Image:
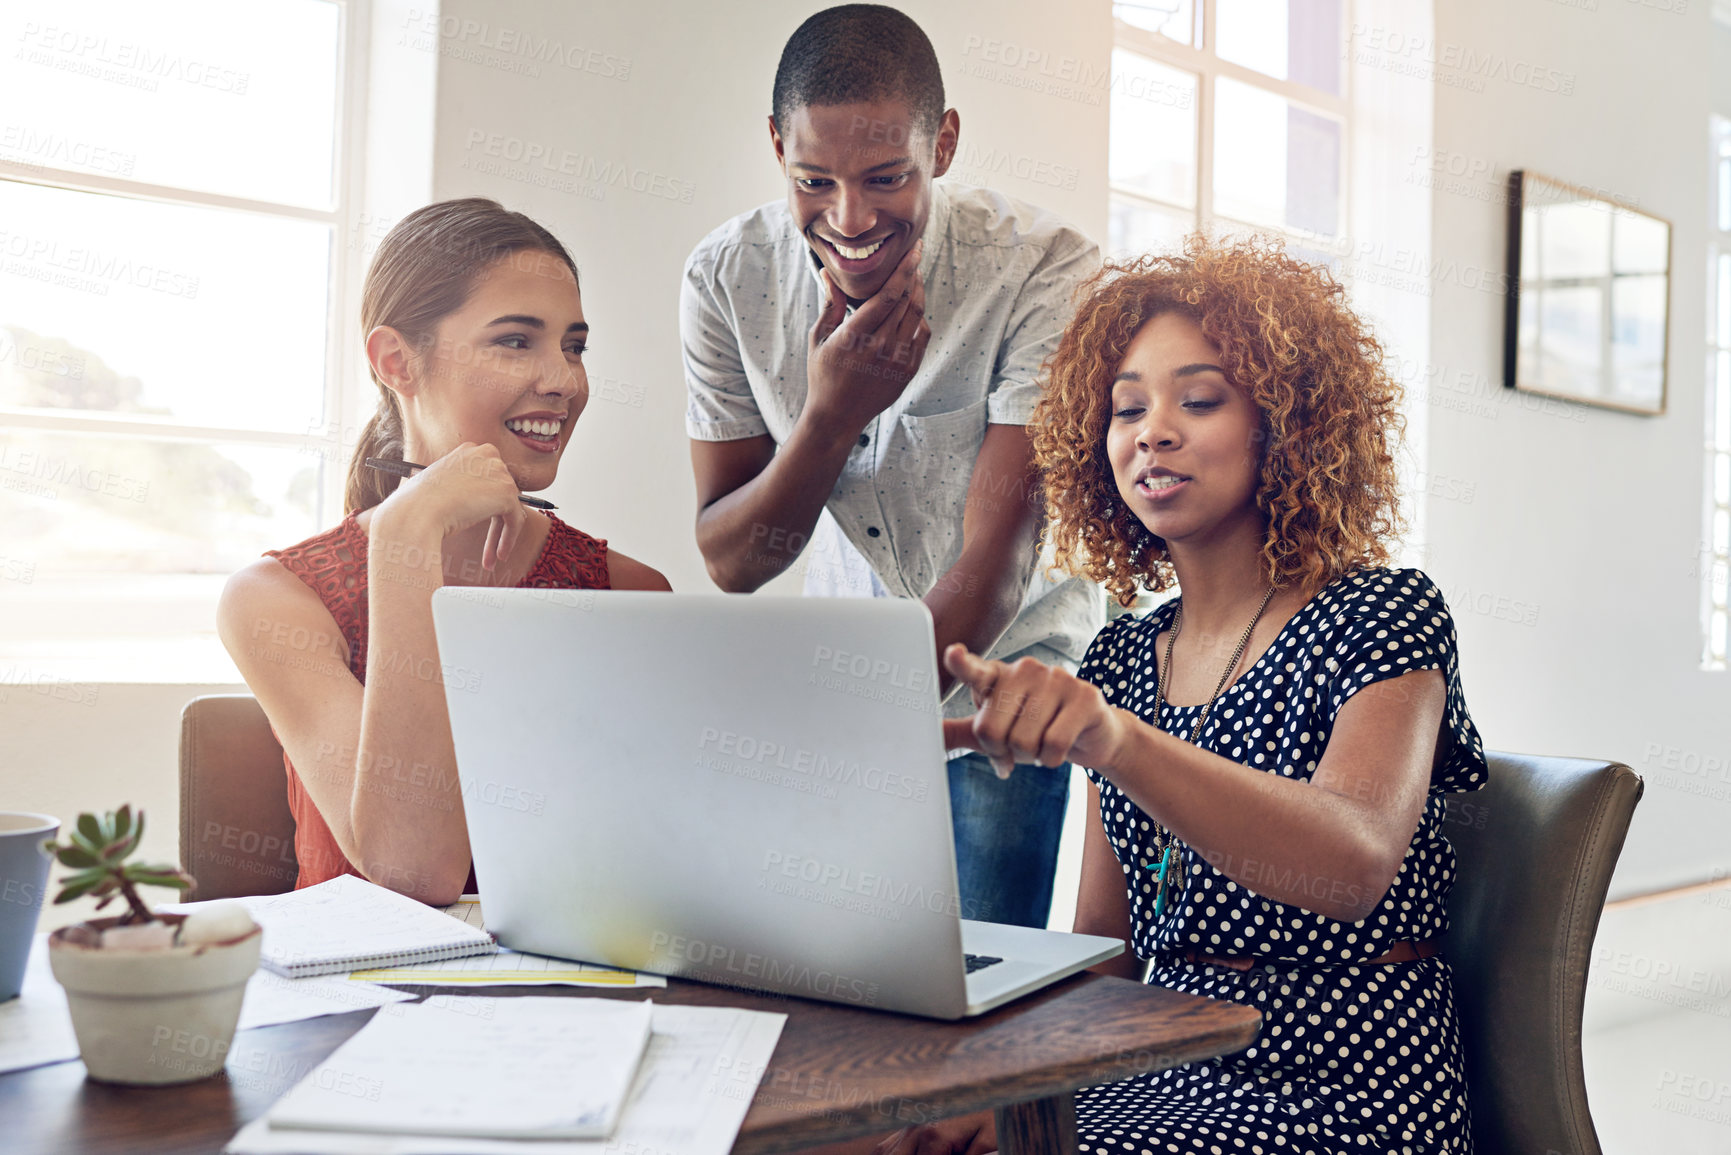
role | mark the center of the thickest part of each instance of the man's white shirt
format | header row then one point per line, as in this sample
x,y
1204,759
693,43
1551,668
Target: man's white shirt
x,y
1000,276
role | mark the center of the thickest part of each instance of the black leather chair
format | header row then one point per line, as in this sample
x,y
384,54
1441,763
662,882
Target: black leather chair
x,y
237,834
1536,850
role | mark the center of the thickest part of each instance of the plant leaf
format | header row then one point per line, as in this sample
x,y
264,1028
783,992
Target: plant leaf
x,y
89,846
90,828
153,868
145,877
126,846
92,874
146,871
77,885
117,848
76,856
123,820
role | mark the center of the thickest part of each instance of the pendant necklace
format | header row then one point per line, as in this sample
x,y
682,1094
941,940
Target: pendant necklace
x,y
1166,854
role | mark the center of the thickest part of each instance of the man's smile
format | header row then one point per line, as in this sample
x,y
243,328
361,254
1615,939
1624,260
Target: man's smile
x,y
857,258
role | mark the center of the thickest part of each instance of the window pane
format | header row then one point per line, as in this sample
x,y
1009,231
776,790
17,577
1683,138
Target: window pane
x,y
1134,229
203,316
1639,244
1562,346
203,94
1725,194
1530,228
1722,302
1298,40
1252,33
1153,135
1275,163
1721,159
107,627
1722,403
77,504
1638,339
1574,240
1174,19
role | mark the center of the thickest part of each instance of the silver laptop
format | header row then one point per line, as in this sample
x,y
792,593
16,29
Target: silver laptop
x,y
739,790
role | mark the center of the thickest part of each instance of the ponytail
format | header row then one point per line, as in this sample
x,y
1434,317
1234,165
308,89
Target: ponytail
x,y
381,437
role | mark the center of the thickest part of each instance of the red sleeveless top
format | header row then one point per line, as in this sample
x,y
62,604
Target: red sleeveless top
x,y
334,566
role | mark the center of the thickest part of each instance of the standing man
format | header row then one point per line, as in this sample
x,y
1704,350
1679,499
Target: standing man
x,y
862,362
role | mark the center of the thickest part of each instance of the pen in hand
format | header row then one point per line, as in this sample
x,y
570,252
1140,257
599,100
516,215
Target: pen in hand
x,y
407,469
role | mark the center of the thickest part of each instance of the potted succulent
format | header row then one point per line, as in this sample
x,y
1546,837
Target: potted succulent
x,y
154,996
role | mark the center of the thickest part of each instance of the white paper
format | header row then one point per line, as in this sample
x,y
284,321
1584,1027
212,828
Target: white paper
x,y
696,1081
36,1028
347,922
507,968
529,1068
272,999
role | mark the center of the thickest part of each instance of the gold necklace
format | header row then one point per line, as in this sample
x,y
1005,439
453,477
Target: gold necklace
x,y
1166,850
1172,638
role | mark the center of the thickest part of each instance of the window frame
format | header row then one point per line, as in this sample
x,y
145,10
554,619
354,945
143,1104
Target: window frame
x,y
340,383
1208,69
343,385
1713,558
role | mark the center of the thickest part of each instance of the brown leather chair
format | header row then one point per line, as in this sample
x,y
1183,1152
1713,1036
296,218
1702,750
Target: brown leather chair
x,y
1536,848
237,835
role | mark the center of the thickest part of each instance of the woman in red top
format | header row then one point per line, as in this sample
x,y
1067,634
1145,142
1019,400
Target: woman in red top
x,y
475,337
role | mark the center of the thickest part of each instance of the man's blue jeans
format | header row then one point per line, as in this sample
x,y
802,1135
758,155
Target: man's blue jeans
x,y
1007,838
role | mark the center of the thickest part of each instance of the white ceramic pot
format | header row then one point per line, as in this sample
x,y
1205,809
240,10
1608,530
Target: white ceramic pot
x,y
153,1016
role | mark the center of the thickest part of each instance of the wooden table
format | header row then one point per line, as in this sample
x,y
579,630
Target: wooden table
x,y
837,1073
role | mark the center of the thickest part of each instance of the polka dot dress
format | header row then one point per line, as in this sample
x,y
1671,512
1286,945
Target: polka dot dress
x,y
1351,1058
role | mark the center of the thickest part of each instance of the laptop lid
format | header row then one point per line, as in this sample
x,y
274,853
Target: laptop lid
x,y
735,789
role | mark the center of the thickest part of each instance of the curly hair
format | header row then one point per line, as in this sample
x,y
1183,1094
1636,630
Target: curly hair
x,y
1331,422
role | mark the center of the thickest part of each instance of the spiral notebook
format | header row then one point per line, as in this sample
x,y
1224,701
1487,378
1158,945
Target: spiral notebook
x,y
350,924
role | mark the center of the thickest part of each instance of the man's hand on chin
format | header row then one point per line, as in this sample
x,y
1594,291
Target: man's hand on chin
x,y
857,365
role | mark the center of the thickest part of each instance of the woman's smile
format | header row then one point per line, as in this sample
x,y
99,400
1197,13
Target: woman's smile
x,y
539,431
1159,484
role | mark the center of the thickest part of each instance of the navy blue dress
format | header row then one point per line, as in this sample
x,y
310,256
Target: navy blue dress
x,y
1351,1058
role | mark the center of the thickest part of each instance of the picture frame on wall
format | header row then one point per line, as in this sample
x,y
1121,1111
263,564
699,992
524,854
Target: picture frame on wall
x,y
1588,296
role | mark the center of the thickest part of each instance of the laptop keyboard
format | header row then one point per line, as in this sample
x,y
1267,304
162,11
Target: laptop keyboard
x,y
979,961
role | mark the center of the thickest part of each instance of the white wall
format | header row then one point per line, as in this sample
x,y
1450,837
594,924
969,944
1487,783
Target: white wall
x,y
1588,518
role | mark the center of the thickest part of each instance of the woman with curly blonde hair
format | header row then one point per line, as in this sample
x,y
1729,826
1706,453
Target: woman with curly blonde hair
x,y
1269,750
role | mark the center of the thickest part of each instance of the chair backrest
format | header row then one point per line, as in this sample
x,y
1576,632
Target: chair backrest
x,y
1536,849
237,835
